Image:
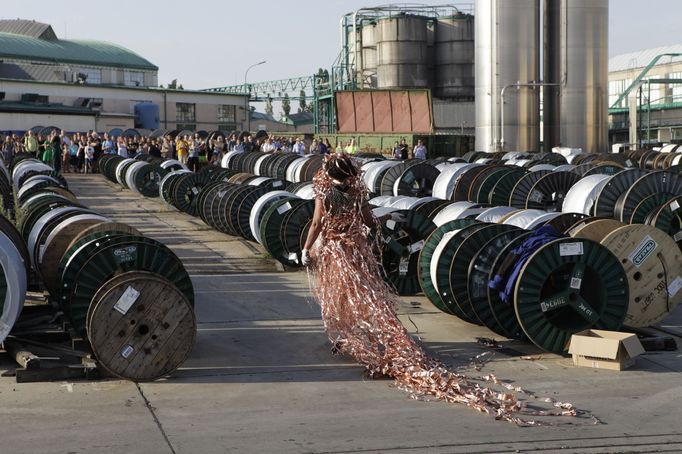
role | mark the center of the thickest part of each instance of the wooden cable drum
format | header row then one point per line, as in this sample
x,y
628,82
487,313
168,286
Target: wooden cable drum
x,y
659,182
140,326
58,241
595,230
653,264
13,284
566,286
101,227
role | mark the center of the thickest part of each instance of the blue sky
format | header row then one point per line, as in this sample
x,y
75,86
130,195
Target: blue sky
x,y
207,43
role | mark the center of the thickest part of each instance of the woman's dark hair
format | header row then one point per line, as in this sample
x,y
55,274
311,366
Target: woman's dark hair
x,y
341,167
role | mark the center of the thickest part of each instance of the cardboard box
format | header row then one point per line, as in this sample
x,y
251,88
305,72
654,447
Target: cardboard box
x,y
599,349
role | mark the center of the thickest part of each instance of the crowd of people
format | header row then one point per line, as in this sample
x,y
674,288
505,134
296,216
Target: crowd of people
x,y
79,152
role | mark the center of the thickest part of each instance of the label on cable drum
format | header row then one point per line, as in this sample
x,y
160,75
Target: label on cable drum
x,y
403,267
628,163
576,282
675,205
642,252
678,236
126,301
418,246
675,287
127,351
568,249
535,196
284,208
390,224
277,184
195,191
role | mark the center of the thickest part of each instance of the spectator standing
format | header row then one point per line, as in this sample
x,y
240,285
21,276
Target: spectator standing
x,y
404,150
182,147
122,147
154,149
56,145
195,148
396,151
31,144
90,155
166,152
299,147
268,146
351,148
325,146
419,151
315,147
8,150
108,145
73,154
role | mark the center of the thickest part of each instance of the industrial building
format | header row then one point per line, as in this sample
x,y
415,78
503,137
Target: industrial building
x,y
90,85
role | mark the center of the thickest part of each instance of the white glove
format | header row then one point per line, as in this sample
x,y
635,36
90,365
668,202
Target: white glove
x,y
397,217
305,257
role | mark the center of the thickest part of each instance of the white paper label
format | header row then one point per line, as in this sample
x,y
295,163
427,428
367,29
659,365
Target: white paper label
x,y
418,246
566,249
195,191
675,205
126,300
293,257
576,282
678,236
277,184
643,251
403,267
221,194
675,286
535,196
628,163
284,208
390,224
127,351
42,252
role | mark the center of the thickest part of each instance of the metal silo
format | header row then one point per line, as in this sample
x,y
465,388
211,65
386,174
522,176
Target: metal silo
x,y
454,57
368,71
507,56
583,72
401,52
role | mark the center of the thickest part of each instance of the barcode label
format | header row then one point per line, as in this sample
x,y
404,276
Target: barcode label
x,y
126,301
576,282
284,208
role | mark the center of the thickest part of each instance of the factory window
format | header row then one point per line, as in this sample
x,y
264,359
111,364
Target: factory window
x,y
133,78
652,93
227,113
227,127
89,75
676,89
185,112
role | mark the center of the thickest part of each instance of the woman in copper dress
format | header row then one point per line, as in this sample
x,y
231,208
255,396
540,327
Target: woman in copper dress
x,y
359,307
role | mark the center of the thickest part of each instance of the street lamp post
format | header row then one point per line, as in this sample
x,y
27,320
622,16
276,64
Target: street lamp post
x,y
248,92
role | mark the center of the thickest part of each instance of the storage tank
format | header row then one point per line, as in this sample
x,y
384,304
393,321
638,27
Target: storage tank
x,y
579,62
401,52
506,53
454,57
368,70
146,116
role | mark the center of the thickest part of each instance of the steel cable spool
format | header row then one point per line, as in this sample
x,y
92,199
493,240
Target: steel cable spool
x,y
166,183
653,265
647,206
259,208
140,326
554,159
186,190
668,218
221,207
99,260
147,179
283,166
567,286
564,168
426,255
432,208
603,169
131,171
4,173
205,199
391,175
478,276
402,243
272,184
102,161
444,186
521,190
488,182
417,180
582,169
549,192
581,197
659,182
295,230
240,210
524,219
502,190
226,161
260,165
440,268
213,203
222,175
121,170
461,261
616,186
227,210
472,156
44,224
537,167
13,284
480,179
464,182
271,228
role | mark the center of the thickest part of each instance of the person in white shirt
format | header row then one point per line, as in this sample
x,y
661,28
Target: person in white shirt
x,y
299,147
268,146
419,151
122,148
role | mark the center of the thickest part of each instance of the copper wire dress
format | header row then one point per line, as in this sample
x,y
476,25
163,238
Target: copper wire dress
x,y
358,311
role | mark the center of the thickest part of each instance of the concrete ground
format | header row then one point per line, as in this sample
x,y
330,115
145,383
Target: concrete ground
x,y
262,379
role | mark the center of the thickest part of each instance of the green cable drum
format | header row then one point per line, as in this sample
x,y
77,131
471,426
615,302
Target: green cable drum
x,y
426,254
668,218
402,244
521,190
271,228
500,192
549,191
147,180
567,286
479,274
202,205
294,230
440,267
648,205
244,212
432,208
659,182
416,181
96,262
485,181
461,262
186,190
605,203
231,211
391,176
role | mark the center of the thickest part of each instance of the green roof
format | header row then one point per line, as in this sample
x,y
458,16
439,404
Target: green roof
x,y
79,52
20,107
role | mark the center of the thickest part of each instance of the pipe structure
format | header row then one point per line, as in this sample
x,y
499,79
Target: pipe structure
x,y
518,85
